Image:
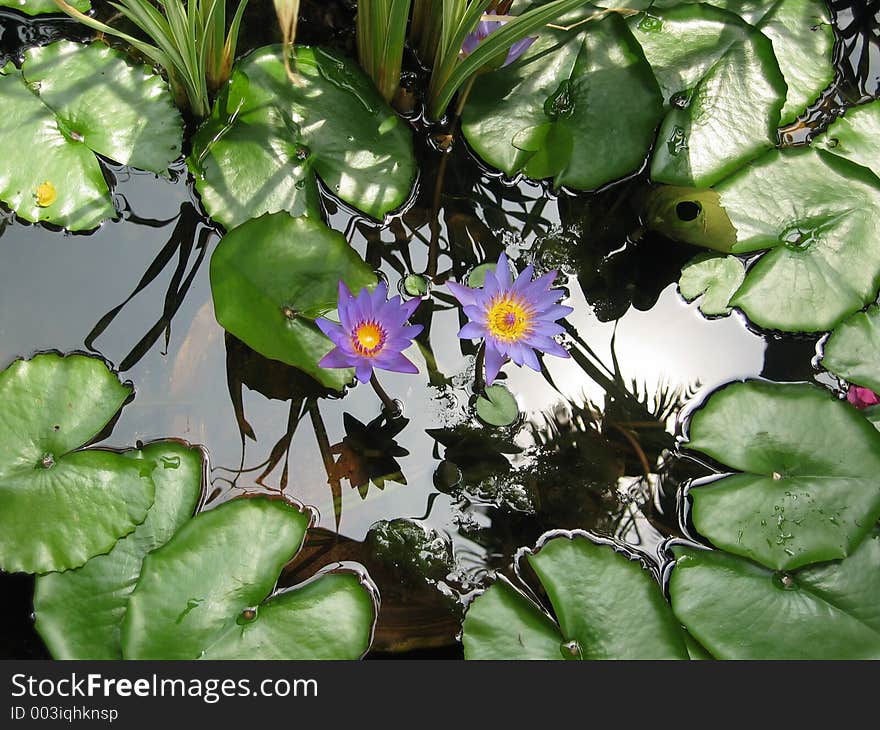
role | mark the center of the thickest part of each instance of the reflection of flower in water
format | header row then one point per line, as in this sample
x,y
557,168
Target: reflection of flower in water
x,y
368,453
862,397
516,319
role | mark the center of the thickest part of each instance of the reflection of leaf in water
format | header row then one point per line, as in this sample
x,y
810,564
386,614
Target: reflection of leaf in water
x,y
368,453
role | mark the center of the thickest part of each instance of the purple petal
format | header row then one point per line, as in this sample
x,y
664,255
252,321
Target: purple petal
x,y
331,329
548,329
344,301
464,294
557,311
502,272
336,358
472,331
475,313
363,305
410,332
517,49
471,41
494,361
524,279
548,346
394,361
364,370
522,354
543,282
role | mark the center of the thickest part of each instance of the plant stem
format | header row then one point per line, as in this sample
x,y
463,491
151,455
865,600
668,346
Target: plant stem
x,y
479,367
392,410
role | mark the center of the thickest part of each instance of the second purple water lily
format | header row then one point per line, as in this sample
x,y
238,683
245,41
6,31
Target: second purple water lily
x,y
516,319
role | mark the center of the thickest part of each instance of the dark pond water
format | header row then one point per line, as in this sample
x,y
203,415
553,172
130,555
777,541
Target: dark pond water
x,y
595,447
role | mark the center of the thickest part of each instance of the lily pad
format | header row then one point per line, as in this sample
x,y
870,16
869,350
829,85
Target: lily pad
x,y
497,406
580,107
270,279
853,350
61,505
209,593
715,278
804,494
268,140
854,136
608,607
690,215
41,7
729,114
66,104
820,216
79,612
739,610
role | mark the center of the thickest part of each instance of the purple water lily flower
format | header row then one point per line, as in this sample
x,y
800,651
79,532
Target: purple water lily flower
x,y
372,332
484,29
862,397
516,319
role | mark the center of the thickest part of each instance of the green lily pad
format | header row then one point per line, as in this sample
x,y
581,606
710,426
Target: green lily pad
x,y
608,607
854,136
739,610
270,279
713,277
803,40
67,103
873,415
209,593
79,612
60,506
853,350
729,114
268,140
804,494
41,7
590,84
690,215
820,216
497,406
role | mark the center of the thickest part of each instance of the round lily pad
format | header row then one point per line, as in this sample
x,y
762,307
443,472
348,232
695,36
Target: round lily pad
x,y
60,505
739,610
713,277
820,216
580,107
79,612
497,406
807,487
41,7
854,136
608,607
270,279
729,114
269,139
853,350
209,593
67,103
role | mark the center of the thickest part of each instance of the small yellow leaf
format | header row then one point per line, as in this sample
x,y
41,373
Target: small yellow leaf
x,y
46,194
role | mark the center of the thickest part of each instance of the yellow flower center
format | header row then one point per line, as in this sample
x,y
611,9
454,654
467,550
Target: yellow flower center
x,y
46,194
508,319
368,338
